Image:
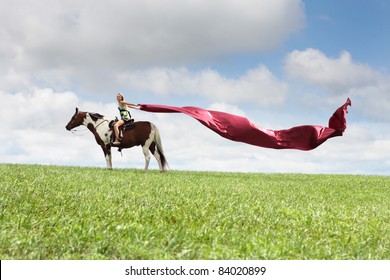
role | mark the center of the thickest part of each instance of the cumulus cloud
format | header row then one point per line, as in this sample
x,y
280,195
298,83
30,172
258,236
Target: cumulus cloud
x,y
368,88
34,126
224,107
148,29
67,43
258,86
336,75
36,109
49,50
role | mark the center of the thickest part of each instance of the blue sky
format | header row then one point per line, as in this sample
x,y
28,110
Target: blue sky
x,y
279,63
356,26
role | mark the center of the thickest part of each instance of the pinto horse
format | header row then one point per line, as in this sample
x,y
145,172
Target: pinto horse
x,y
143,133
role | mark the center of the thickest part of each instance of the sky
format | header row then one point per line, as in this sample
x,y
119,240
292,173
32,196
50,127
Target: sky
x,y
279,63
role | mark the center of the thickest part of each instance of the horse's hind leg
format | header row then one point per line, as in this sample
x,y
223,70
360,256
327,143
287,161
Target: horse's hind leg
x,y
145,150
158,158
146,146
153,149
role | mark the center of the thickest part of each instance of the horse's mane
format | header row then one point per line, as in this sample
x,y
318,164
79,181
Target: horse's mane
x,y
96,116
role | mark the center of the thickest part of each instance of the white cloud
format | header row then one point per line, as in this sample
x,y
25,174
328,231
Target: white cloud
x,y
224,107
41,108
51,49
86,43
34,126
336,75
368,88
258,86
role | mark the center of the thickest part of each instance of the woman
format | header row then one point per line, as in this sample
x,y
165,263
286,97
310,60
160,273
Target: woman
x,y
125,116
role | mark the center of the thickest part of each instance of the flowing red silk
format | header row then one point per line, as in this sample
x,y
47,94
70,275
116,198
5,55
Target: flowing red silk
x,y
240,129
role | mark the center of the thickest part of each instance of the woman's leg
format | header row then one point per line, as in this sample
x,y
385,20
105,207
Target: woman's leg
x,y
116,129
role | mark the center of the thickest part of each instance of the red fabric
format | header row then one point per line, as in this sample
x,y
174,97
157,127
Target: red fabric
x,y
236,128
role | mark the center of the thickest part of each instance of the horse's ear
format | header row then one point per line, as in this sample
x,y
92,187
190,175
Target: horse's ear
x,y
77,110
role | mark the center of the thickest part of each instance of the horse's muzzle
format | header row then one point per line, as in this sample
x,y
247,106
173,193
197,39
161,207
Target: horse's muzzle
x,y
67,127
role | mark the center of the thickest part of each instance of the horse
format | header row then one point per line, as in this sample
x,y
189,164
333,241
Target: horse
x,y
143,133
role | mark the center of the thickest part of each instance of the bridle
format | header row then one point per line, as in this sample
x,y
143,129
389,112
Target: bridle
x,y
96,126
73,130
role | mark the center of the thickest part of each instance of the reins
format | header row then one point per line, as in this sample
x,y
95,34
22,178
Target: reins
x,y
74,130
82,130
101,123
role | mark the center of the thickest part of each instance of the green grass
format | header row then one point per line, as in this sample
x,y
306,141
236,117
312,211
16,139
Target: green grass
x,y
50,212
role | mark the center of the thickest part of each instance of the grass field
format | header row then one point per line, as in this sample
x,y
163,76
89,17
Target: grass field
x,y
50,212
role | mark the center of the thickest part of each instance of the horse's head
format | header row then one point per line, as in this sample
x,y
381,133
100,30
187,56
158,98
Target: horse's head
x,y
76,120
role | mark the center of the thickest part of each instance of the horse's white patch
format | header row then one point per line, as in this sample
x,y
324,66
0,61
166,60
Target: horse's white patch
x,y
145,147
109,161
102,128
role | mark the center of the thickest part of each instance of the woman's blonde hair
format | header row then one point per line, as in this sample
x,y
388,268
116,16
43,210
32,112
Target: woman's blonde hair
x,y
121,95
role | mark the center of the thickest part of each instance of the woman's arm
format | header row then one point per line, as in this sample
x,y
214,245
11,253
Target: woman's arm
x,y
129,104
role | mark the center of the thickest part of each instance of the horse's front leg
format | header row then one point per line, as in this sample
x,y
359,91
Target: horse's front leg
x,y
107,155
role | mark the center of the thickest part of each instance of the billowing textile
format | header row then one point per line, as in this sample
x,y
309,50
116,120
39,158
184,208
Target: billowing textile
x,y
240,129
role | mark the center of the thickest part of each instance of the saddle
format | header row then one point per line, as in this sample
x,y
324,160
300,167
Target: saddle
x,y
126,126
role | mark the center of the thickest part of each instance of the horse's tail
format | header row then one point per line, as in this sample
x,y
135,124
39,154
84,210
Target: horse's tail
x,y
158,143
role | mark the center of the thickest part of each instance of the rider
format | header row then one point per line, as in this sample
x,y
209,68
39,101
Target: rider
x,y
125,115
